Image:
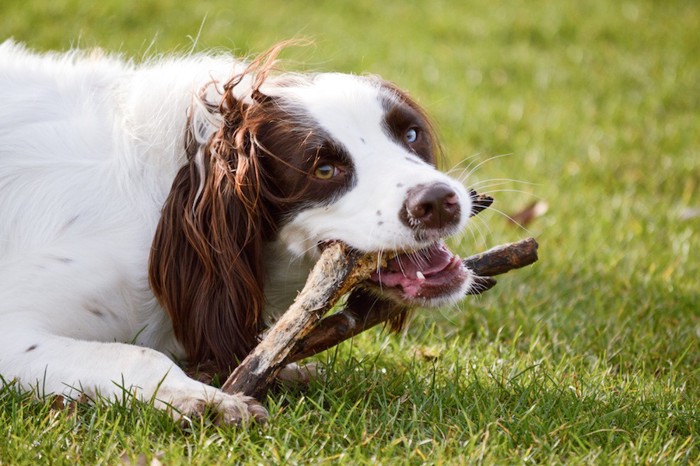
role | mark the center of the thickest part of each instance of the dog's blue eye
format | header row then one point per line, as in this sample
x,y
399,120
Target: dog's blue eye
x,y
411,135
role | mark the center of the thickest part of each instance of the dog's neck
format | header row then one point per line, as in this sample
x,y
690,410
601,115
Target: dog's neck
x,y
156,115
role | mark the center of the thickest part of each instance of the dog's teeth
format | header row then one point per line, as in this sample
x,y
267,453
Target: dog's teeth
x,y
420,276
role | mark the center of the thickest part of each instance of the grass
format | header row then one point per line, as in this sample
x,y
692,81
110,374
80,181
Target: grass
x,y
591,356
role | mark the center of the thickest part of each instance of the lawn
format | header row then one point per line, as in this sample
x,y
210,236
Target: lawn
x,y
590,356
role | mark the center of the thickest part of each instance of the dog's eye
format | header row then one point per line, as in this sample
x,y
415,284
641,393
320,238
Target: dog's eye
x,y
411,135
325,171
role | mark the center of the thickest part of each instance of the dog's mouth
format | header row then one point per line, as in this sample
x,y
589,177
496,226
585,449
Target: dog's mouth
x,y
427,276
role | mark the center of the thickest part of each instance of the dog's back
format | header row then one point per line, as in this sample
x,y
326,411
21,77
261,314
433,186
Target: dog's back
x,y
72,198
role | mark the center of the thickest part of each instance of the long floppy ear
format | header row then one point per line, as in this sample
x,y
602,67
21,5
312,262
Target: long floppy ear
x,y
206,264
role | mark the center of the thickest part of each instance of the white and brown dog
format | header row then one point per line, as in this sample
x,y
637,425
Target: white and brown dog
x,y
171,209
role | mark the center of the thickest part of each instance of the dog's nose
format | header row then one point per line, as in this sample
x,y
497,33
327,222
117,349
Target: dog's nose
x,y
432,206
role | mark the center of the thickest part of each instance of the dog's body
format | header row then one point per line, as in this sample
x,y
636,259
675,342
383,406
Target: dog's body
x,y
168,210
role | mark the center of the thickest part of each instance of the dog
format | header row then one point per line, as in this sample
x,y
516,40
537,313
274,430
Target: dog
x,y
168,211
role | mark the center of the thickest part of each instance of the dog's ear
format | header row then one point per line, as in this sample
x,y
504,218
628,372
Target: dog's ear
x,y
206,263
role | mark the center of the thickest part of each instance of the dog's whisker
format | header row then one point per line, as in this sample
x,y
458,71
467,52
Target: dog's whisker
x,y
498,182
473,169
505,215
518,191
473,160
458,166
478,225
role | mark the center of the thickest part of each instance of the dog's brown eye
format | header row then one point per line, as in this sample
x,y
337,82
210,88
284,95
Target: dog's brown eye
x,y
325,171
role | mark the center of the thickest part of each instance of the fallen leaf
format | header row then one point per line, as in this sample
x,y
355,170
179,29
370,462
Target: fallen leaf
x,y
59,403
141,460
427,353
689,213
533,211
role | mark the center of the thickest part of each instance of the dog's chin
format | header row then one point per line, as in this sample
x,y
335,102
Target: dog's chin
x,y
429,277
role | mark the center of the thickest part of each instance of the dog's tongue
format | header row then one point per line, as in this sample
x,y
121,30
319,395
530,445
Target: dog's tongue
x,y
432,267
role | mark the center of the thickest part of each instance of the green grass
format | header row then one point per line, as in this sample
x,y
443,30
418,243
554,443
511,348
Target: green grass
x,y
590,356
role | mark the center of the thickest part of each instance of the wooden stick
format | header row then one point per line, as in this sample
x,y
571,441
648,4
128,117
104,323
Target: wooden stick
x,y
503,258
336,272
363,312
301,333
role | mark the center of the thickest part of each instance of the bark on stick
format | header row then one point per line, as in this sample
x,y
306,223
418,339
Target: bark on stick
x,y
363,312
336,272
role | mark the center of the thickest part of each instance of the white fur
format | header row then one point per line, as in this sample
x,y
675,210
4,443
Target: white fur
x,y
89,146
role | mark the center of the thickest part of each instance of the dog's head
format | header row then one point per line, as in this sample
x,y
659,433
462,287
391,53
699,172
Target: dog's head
x,y
301,160
359,158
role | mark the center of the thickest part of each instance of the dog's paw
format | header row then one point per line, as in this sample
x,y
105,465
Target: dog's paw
x,y
236,409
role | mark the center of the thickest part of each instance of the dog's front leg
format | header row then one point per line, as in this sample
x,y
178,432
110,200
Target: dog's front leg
x,y
50,364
